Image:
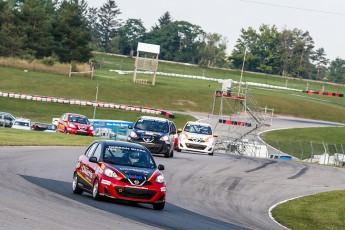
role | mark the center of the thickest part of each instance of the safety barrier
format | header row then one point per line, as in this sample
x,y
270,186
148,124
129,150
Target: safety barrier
x,y
87,103
329,94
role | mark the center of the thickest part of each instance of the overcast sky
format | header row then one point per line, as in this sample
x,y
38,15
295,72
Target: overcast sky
x,y
323,19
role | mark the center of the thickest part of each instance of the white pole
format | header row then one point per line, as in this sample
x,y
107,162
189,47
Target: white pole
x,y
94,110
244,59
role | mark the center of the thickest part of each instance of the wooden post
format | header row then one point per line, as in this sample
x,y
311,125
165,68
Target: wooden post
x,y
70,71
136,67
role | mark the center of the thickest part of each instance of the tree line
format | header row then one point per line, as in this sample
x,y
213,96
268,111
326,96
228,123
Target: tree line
x,y
69,30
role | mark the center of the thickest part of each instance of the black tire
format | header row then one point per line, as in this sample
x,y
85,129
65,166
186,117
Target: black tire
x,y
95,191
75,187
172,153
167,154
211,154
158,206
65,131
178,150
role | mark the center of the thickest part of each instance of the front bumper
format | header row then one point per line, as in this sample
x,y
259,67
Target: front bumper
x,y
196,147
152,193
154,147
79,132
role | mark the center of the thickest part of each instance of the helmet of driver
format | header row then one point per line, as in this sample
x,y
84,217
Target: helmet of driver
x,y
134,157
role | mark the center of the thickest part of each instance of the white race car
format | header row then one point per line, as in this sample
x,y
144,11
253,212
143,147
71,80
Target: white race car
x,y
198,137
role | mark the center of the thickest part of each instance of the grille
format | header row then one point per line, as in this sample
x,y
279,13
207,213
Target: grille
x,y
135,193
194,146
124,180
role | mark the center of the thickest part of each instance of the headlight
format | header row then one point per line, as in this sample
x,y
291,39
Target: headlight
x,y
133,134
160,179
110,173
71,125
164,138
183,136
211,140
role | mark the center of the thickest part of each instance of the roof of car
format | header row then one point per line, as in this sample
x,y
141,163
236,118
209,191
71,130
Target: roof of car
x,y
121,143
153,118
197,123
76,114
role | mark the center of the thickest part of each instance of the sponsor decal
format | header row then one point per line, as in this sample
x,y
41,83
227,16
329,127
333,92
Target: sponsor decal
x,y
87,172
106,182
113,147
135,177
127,169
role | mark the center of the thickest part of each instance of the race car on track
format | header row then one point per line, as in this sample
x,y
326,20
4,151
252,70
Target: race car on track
x,y
155,133
71,123
120,170
198,137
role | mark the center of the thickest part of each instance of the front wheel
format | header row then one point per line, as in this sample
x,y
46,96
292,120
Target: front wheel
x,y
167,154
95,191
75,187
158,206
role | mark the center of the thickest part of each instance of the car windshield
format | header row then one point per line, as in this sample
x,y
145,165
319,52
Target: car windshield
x,y
152,125
199,129
78,119
128,156
22,123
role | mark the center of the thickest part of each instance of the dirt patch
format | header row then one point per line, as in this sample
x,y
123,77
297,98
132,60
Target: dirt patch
x,y
185,103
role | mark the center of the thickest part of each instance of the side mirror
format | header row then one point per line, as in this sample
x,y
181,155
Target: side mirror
x,y
93,159
130,127
179,130
215,134
65,120
160,167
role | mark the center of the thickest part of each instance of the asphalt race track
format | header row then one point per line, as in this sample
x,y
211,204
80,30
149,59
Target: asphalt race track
x,y
204,192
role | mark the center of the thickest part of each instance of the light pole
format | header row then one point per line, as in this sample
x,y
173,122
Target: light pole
x,y
94,110
244,59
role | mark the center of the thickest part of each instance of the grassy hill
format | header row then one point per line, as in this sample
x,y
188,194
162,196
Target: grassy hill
x,y
169,93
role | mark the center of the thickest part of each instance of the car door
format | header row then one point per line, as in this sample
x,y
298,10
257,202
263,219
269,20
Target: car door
x,y
92,166
86,167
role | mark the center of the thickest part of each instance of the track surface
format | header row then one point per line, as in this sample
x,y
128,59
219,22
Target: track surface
x,y
204,192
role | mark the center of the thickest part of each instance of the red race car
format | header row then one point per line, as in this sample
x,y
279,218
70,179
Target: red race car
x,y
120,170
74,124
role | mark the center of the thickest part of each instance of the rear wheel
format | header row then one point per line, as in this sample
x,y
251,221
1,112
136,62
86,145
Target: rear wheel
x,y
75,187
65,131
211,154
178,150
95,191
172,153
158,206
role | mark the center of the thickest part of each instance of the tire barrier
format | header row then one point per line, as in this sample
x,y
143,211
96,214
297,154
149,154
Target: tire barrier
x,y
329,94
231,122
87,103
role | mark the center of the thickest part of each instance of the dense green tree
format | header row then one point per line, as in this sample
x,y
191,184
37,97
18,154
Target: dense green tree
x,y
130,34
246,44
71,33
11,36
36,24
109,23
179,41
337,71
164,20
212,52
319,57
92,17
